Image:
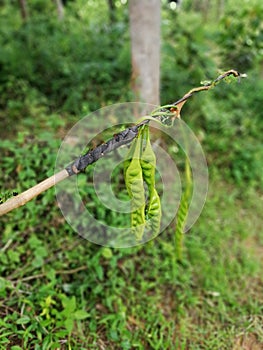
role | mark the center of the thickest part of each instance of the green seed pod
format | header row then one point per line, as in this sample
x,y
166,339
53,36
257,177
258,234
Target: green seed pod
x,y
139,167
148,165
135,188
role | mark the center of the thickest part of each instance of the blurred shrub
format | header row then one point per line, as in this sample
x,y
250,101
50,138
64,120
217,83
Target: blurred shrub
x,y
81,64
185,55
240,37
20,99
70,64
233,127
228,119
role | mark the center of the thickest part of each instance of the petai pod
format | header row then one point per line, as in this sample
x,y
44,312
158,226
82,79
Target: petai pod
x,y
181,216
135,187
148,165
129,157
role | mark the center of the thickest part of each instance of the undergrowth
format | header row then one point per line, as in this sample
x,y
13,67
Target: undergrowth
x,y
60,291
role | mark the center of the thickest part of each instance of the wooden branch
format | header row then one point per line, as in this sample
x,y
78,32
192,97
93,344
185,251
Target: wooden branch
x,y
41,275
122,138
26,196
179,104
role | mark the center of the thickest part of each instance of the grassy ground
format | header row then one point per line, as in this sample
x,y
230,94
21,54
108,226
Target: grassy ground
x,y
58,291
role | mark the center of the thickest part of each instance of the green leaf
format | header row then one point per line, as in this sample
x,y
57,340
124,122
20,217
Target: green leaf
x,y
106,253
114,335
2,284
81,315
23,320
99,271
69,305
69,323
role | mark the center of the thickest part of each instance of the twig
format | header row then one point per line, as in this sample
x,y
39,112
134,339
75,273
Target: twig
x,y
122,138
6,246
59,272
179,103
31,193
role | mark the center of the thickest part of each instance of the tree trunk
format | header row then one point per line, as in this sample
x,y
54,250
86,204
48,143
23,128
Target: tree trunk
x,y
60,9
220,8
112,11
203,7
145,24
23,9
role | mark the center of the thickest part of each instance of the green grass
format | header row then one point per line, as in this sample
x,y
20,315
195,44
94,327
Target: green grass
x,y
58,291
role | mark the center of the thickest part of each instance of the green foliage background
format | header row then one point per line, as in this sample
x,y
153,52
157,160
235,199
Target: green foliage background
x,y
58,291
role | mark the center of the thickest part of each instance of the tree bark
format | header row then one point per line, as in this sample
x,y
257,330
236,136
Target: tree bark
x,y
220,8
145,24
203,7
23,9
112,11
60,9
33,192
